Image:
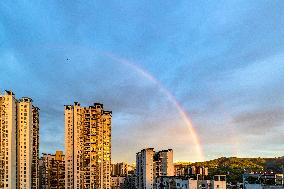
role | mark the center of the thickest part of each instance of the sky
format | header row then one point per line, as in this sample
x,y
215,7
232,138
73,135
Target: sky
x,y
221,62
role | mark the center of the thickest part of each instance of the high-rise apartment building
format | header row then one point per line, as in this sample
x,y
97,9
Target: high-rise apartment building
x,y
52,171
27,132
120,169
145,168
19,132
87,147
122,176
8,138
164,160
151,164
35,145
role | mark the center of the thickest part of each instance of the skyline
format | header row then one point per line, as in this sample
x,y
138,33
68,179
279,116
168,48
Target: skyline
x,y
222,63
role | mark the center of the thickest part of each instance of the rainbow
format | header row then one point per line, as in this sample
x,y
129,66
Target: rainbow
x,y
170,96
143,72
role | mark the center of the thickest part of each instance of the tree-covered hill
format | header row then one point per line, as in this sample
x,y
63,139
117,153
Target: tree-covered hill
x,y
234,167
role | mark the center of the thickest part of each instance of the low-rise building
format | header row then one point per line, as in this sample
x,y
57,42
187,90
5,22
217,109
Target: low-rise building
x,y
52,171
117,182
185,169
263,180
120,169
130,182
174,182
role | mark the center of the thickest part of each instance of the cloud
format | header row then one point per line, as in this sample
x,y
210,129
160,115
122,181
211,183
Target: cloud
x,y
259,122
222,61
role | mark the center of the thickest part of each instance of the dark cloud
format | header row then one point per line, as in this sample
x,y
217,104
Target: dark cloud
x,y
259,122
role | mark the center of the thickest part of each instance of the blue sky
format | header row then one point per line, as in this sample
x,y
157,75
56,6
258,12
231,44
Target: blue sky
x,y
223,62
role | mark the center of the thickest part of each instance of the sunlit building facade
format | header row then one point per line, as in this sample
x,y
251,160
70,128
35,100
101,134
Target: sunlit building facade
x,y
117,182
87,147
145,169
19,131
164,159
35,146
52,171
168,182
8,145
151,164
120,169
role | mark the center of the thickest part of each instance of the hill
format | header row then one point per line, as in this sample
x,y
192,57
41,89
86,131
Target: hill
x,y
234,167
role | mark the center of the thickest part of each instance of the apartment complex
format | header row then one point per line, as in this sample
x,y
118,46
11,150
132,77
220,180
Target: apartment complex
x,y
164,161
35,146
87,147
168,182
130,182
183,169
120,169
117,182
151,164
8,145
122,176
52,171
19,132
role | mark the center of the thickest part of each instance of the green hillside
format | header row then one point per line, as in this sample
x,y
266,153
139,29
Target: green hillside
x,y
234,167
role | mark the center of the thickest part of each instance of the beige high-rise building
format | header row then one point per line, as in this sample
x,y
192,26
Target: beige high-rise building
x,y
19,130
25,141
87,147
8,145
35,159
119,169
165,159
151,164
145,169
52,171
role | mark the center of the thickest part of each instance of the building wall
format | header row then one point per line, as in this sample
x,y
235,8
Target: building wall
x,y
8,169
25,139
167,164
151,164
117,182
88,146
35,146
192,184
120,169
77,149
147,162
19,142
181,169
168,182
69,135
144,169
218,184
130,182
52,168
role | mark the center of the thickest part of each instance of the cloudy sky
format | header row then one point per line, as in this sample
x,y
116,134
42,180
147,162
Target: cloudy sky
x,y
222,61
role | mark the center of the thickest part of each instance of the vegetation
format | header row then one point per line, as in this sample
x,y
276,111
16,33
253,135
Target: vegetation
x,y
234,167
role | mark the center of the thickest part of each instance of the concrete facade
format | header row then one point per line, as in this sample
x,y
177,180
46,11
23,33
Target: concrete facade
x,y
151,164
19,134
166,160
8,138
169,182
120,169
87,147
144,169
52,168
35,146
25,141
117,182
